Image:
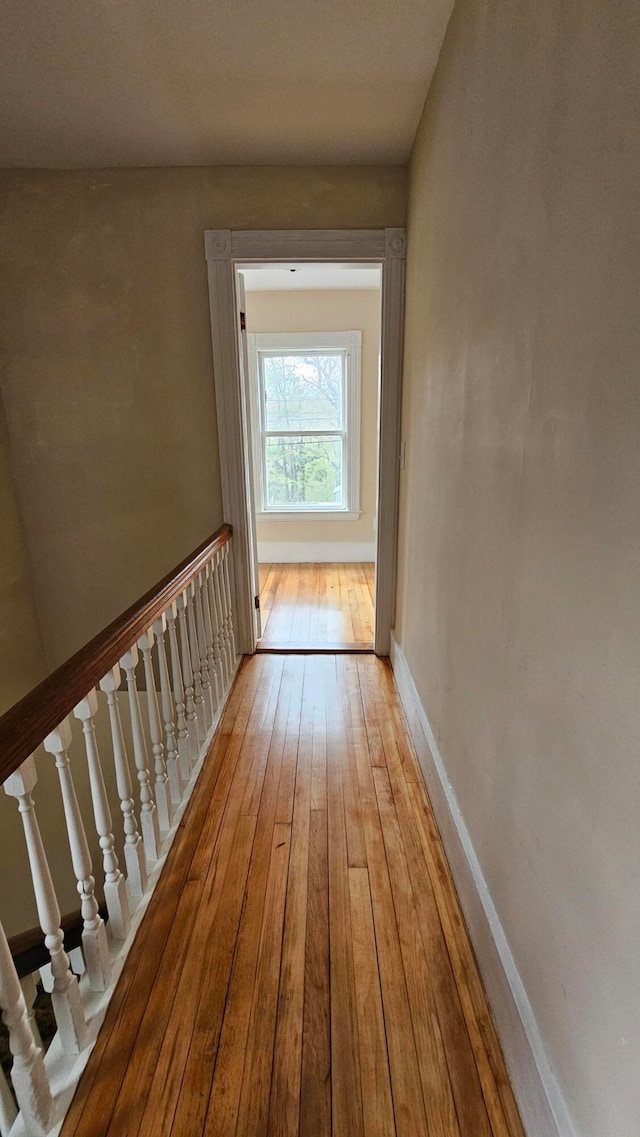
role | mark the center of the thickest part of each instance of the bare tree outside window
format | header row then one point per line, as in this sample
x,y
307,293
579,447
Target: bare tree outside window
x,y
303,414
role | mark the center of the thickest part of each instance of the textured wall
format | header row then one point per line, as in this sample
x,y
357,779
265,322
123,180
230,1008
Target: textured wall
x,y
520,535
22,663
337,311
106,362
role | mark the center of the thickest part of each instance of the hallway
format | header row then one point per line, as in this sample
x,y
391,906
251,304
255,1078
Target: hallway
x,y
302,967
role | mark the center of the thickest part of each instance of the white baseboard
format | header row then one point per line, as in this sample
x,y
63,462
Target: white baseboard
x,y
299,552
542,1106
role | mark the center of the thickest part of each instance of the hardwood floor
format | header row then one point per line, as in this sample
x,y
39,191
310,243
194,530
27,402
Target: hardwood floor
x,y
303,968
328,606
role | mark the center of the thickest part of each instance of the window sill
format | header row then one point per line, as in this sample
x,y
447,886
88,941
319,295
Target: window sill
x,y
310,515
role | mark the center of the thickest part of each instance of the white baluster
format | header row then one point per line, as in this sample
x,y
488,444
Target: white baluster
x,y
202,652
65,995
94,936
148,812
166,698
28,1073
115,886
133,843
226,565
198,700
162,789
187,674
215,629
208,635
178,695
218,589
30,992
8,1111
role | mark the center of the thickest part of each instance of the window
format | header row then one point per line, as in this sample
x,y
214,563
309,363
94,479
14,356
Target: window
x,y
306,419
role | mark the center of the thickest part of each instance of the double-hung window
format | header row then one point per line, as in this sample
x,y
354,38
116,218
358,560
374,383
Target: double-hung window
x,y
305,396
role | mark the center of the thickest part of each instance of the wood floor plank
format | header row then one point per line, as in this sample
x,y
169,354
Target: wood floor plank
x,y
190,1045
319,739
315,1089
191,1106
347,1120
253,1111
403,1061
438,1097
377,1103
303,966
222,1108
284,810
284,1108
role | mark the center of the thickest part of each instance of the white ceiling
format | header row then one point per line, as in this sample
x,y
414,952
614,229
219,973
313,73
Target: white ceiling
x,y
214,82
310,277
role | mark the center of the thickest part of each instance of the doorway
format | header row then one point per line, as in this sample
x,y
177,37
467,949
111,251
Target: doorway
x,y
322,472
310,335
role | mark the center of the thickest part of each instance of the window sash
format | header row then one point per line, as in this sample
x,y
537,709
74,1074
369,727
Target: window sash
x,y
337,432
304,506
345,344
300,352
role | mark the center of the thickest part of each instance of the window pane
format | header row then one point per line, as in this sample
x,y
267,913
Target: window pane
x,y
303,391
304,472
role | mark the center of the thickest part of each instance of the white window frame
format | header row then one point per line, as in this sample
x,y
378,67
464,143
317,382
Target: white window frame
x,y
349,344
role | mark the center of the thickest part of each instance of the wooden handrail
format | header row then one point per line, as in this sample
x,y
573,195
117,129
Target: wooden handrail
x,y
27,723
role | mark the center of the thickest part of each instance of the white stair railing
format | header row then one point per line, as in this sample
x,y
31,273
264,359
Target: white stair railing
x,y
183,631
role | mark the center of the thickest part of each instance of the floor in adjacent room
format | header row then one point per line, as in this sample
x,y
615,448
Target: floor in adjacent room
x,y
329,606
303,967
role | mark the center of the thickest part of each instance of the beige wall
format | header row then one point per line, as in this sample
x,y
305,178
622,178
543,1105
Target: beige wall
x,y
520,535
106,371
336,311
22,662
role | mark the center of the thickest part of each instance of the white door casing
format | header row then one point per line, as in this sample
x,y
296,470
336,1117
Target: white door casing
x,y
241,307
226,249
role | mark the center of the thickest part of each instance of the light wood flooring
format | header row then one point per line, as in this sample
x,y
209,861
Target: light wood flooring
x,y
328,606
303,968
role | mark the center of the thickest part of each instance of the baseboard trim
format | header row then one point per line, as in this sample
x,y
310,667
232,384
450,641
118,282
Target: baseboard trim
x,y
315,552
542,1107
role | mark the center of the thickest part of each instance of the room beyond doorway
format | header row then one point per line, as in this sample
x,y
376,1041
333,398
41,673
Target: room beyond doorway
x,y
311,339
325,607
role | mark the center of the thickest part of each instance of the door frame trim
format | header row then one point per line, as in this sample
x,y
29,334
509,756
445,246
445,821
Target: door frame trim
x,y
224,250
